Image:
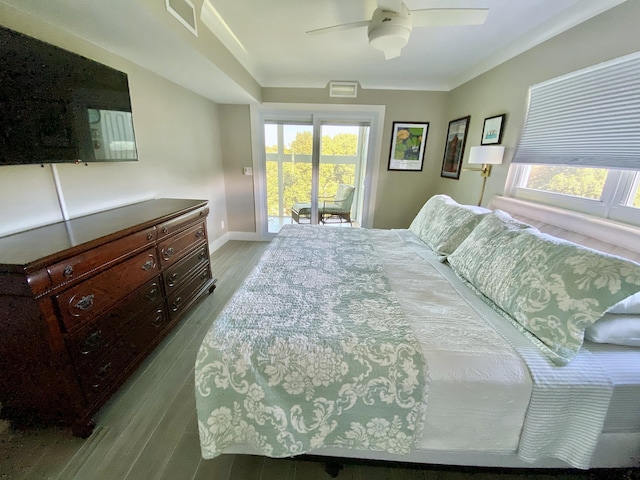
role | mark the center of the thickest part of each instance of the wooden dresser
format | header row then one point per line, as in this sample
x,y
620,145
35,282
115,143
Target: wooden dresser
x,y
83,302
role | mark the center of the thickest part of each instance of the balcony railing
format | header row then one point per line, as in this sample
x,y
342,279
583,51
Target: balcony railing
x,y
290,181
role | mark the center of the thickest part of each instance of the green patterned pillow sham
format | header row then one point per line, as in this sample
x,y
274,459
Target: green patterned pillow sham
x,y
553,288
442,223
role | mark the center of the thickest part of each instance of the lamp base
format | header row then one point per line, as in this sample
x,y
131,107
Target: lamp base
x,y
485,171
484,183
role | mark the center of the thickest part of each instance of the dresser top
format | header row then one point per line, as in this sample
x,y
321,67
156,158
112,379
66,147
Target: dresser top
x,y
43,244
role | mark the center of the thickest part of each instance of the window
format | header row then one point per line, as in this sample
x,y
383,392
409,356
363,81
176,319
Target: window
x,y
580,147
635,193
607,193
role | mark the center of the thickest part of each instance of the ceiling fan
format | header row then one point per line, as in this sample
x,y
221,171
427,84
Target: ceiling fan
x,y
392,22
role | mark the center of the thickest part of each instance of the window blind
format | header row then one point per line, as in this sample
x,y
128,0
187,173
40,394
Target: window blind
x,y
589,118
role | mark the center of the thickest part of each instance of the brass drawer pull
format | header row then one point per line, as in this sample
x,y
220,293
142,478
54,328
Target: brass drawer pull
x,y
148,265
172,279
85,303
175,306
168,252
68,272
92,341
202,255
153,293
200,233
158,321
149,236
102,372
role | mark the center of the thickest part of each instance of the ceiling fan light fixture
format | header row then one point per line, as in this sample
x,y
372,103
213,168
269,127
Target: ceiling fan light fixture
x,y
389,39
389,31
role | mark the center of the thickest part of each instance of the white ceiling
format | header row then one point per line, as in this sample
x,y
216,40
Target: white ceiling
x,y
280,54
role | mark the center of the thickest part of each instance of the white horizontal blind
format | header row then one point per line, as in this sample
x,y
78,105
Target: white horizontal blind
x,y
589,118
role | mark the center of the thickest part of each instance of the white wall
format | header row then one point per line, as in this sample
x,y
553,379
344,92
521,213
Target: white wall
x,y
178,139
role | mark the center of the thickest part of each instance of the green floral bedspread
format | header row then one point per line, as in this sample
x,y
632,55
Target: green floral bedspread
x,y
312,351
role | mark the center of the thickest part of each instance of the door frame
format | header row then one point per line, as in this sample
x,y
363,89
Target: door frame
x,y
373,114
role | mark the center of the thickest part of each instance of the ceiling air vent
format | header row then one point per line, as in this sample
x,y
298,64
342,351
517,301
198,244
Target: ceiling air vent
x,y
185,12
343,89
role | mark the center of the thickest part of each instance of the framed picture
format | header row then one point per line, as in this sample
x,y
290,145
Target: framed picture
x,y
408,142
454,148
492,130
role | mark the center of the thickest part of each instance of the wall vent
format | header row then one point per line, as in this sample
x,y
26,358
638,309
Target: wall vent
x,y
185,12
343,89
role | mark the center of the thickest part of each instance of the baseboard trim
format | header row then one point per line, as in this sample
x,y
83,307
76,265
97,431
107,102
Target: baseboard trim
x,y
216,243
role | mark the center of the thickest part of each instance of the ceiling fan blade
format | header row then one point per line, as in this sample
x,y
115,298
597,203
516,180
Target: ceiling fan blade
x,y
439,17
335,28
390,5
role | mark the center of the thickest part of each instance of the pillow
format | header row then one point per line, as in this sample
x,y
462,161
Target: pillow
x,y
616,329
629,306
442,223
552,288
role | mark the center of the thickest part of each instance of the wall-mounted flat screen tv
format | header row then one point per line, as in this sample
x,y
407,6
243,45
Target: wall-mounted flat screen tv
x,y
59,107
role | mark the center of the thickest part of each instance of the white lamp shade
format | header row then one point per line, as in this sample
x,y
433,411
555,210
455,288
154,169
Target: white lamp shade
x,y
486,154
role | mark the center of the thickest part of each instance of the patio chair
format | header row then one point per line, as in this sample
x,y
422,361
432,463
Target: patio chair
x,y
301,210
339,205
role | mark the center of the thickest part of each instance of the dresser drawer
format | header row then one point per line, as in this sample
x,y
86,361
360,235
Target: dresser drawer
x,y
176,274
180,300
180,223
89,343
102,366
75,267
87,346
98,372
173,248
90,298
149,328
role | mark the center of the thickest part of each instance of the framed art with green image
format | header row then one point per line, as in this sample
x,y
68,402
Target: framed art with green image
x,y
408,145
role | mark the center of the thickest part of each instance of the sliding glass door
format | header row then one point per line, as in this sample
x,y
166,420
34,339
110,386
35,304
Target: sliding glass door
x,y
343,156
305,163
288,169
302,152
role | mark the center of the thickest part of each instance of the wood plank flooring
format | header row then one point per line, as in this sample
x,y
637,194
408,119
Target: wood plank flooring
x,y
148,430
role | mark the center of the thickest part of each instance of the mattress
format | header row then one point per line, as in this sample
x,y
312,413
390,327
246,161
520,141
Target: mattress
x,y
622,365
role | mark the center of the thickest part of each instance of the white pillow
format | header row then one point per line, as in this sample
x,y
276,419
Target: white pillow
x,y
616,329
629,306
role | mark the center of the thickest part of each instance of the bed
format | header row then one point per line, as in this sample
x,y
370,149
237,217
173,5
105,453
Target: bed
x,y
419,345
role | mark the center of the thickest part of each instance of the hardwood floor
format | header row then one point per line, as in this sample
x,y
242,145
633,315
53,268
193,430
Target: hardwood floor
x,y
148,430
